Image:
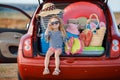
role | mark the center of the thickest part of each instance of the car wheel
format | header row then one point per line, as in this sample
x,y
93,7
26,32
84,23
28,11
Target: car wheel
x,y
19,78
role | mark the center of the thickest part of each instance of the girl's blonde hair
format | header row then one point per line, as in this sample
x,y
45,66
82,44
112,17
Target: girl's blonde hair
x,y
61,25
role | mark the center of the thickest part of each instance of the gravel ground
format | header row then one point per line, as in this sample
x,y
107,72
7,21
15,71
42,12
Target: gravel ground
x,y
8,71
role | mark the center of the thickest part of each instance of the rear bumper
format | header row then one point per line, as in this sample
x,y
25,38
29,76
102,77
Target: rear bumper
x,y
34,71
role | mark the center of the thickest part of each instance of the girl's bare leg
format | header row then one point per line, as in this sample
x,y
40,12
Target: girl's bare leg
x,y
57,62
46,62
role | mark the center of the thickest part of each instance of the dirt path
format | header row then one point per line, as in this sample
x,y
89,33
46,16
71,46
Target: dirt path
x,y
8,71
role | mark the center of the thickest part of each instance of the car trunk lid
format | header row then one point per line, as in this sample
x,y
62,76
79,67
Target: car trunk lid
x,y
105,1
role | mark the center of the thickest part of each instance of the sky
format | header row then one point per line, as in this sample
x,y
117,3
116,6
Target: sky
x,y
113,3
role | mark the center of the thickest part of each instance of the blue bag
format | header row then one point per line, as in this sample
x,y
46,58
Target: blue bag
x,y
44,44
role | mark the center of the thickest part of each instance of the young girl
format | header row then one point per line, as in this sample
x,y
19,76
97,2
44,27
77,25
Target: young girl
x,y
56,35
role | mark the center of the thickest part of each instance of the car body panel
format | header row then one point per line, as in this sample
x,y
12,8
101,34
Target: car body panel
x,y
9,39
87,68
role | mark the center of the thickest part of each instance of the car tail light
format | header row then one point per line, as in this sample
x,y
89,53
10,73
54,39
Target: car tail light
x,y
115,48
27,47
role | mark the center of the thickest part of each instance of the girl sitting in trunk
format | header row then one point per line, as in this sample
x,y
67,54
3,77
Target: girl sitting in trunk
x,y
56,35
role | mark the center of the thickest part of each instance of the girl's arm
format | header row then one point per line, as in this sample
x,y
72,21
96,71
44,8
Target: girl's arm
x,y
47,33
48,29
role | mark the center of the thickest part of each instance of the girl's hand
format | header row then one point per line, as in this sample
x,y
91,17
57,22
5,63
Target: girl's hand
x,y
49,26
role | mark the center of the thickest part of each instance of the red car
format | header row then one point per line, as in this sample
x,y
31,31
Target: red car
x,y
95,63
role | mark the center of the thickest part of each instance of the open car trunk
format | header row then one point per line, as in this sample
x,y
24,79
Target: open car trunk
x,y
105,1
76,10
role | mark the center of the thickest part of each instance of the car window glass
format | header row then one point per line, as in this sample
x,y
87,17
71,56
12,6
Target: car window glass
x,y
114,7
117,18
12,19
28,8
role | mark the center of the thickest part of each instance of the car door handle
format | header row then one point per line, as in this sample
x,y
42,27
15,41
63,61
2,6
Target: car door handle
x,y
17,36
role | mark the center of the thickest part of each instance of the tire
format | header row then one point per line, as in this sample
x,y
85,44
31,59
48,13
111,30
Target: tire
x,y
19,78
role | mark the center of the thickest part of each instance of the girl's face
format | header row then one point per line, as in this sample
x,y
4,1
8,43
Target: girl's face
x,y
54,23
